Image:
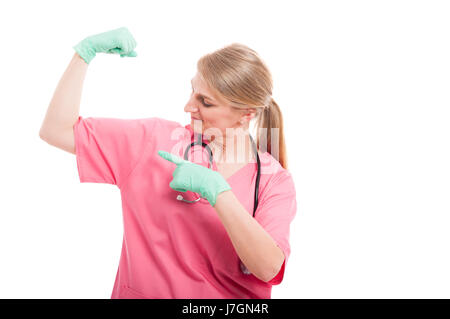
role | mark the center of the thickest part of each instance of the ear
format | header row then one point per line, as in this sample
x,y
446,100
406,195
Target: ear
x,y
248,115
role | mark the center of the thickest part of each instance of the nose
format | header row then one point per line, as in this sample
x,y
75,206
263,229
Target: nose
x,y
189,107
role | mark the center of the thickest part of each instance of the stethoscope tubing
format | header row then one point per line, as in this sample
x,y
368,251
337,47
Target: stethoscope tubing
x,y
199,141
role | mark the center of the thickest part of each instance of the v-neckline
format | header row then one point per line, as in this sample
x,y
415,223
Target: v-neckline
x,y
236,172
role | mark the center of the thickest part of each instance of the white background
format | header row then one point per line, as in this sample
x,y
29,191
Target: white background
x,y
364,91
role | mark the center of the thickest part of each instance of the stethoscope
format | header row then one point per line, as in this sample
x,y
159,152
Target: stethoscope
x,y
199,141
211,159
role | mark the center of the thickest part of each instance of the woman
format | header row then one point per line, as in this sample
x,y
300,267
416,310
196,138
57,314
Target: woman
x,y
233,242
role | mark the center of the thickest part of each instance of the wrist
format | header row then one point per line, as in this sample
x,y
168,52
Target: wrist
x,y
85,51
217,186
223,196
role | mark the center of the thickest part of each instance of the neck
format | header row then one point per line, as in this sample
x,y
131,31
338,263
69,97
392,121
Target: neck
x,y
235,149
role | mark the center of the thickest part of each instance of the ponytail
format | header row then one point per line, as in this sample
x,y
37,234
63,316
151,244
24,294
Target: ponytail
x,y
269,131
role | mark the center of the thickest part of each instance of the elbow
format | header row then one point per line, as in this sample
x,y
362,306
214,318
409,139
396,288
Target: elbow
x,y
266,277
269,273
45,133
269,270
46,136
274,270
42,135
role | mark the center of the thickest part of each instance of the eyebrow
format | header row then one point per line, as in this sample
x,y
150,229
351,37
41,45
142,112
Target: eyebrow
x,y
204,96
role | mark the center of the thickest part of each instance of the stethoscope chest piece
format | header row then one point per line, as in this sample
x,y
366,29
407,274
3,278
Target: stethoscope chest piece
x,y
244,269
181,198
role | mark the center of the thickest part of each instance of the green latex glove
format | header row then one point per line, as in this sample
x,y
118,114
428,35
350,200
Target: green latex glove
x,y
118,41
189,176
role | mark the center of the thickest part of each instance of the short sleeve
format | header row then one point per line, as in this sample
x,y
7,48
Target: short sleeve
x,y
275,213
107,149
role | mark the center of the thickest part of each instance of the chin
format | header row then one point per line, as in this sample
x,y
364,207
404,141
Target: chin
x,y
197,125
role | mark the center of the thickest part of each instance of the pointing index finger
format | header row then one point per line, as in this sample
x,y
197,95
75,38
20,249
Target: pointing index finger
x,y
171,157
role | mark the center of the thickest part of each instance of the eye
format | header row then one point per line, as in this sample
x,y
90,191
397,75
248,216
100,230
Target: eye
x,y
203,101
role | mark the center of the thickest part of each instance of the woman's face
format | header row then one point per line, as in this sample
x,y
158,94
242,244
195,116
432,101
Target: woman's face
x,y
210,110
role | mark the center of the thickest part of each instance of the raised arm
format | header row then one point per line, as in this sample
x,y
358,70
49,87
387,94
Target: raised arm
x,y
64,108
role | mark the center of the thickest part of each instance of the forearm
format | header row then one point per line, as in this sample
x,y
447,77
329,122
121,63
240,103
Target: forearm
x,y
64,107
254,246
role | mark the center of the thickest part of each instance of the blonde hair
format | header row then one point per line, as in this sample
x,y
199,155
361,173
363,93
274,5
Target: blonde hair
x,y
240,76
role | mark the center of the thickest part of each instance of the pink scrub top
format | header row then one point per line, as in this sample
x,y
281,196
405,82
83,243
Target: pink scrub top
x,y
172,249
